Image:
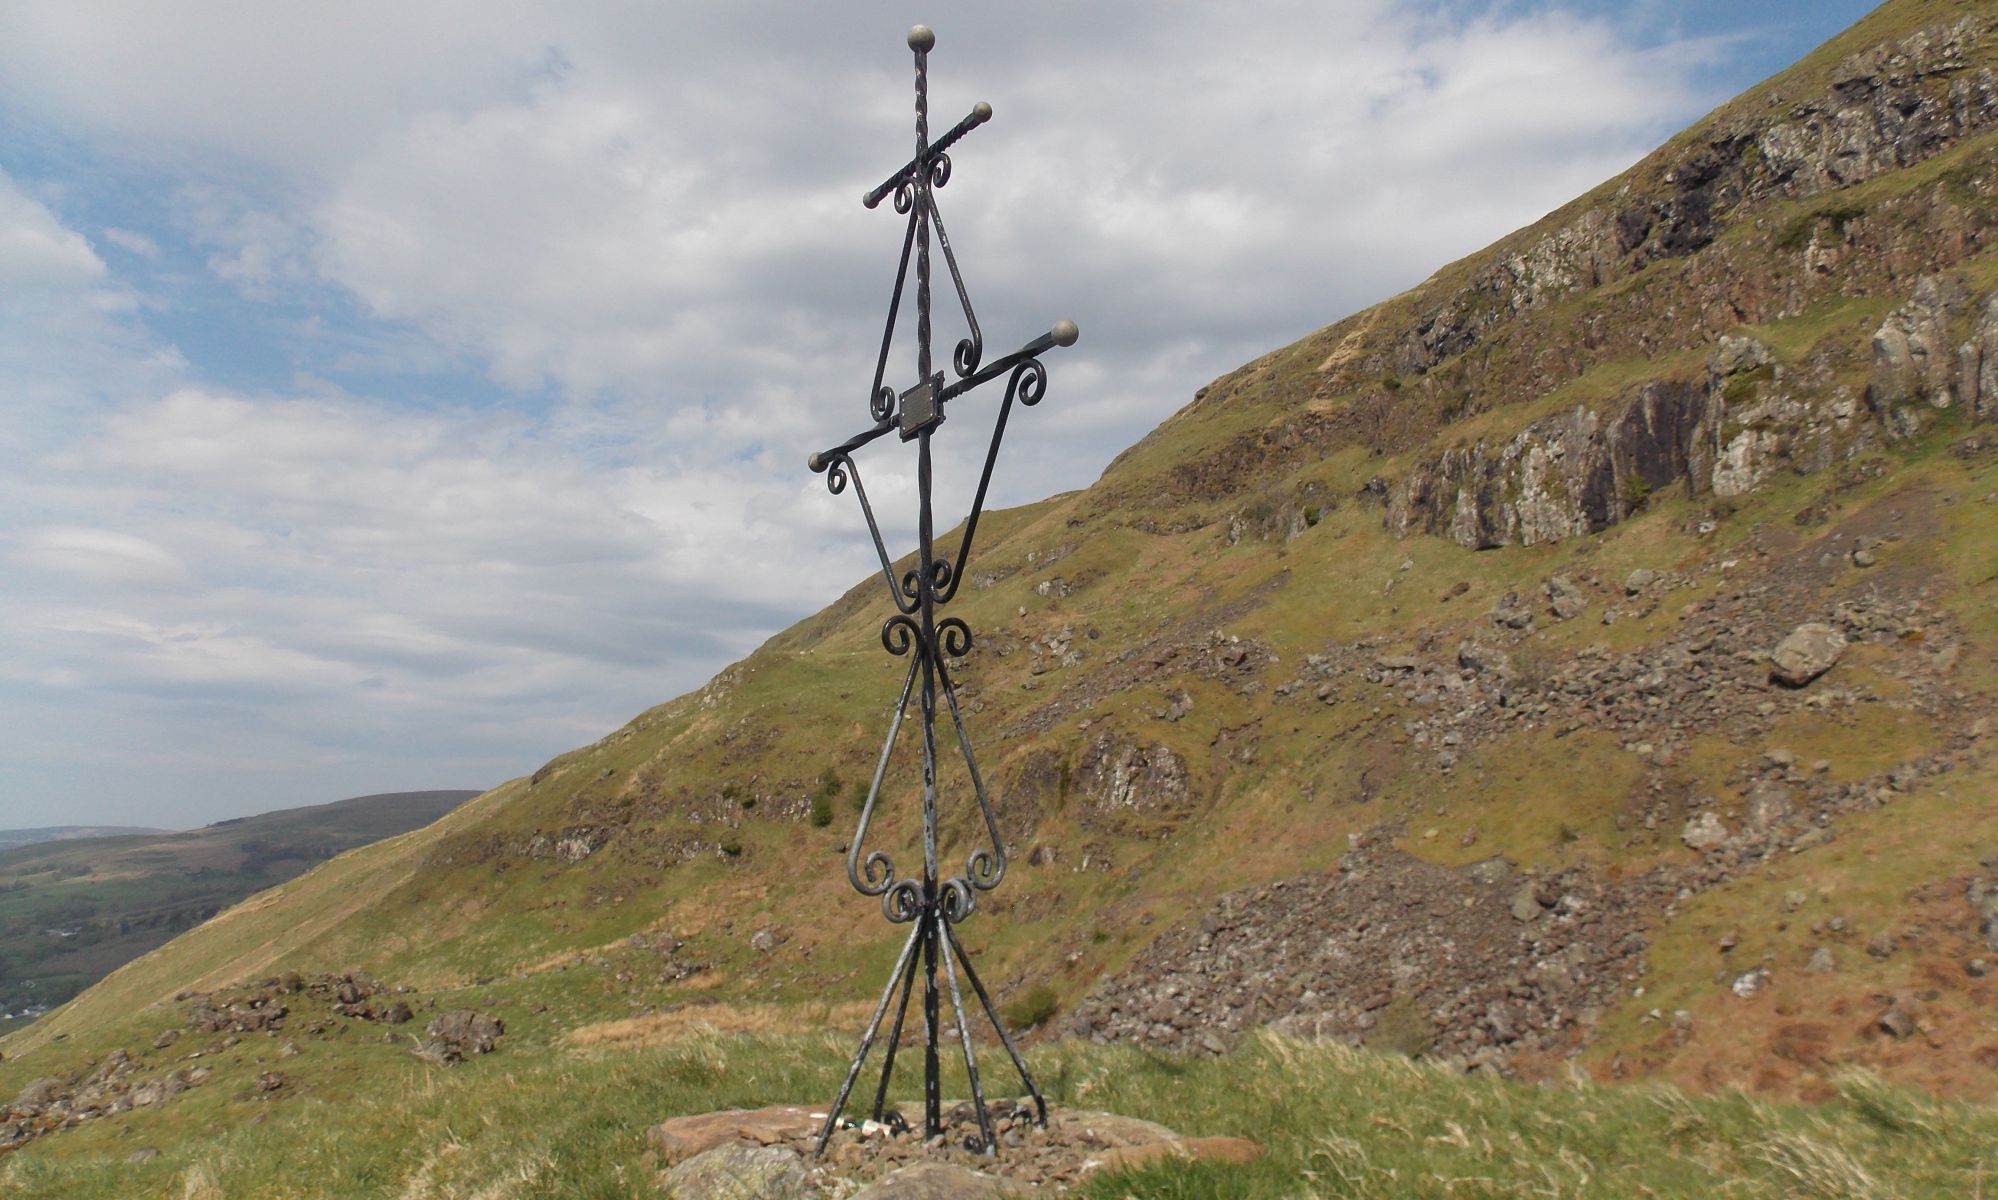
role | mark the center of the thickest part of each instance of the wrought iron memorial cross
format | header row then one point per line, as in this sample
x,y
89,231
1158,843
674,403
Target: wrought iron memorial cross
x,y
931,903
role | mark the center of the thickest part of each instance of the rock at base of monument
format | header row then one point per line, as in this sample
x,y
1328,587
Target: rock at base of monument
x,y
681,1138
941,1181
736,1171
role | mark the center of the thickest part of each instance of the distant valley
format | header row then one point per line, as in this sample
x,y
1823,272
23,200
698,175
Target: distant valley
x,y
79,901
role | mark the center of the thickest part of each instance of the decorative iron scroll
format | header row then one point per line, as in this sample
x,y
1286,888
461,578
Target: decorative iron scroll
x,y
931,902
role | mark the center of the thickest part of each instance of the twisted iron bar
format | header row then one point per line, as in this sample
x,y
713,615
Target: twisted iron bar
x,y
930,902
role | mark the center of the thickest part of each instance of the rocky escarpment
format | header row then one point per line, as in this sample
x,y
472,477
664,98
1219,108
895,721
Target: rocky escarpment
x,y
1744,419
1888,107
1756,219
1920,367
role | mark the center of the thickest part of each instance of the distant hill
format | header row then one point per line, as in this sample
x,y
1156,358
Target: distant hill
x,y
78,901
11,838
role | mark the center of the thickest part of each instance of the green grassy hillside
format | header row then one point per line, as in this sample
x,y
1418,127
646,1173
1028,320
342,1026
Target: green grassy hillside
x,y
1413,686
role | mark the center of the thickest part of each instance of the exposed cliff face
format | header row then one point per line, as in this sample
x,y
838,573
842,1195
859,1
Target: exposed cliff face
x,y
1771,211
1563,475
1919,366
1748,414
1747,418
1888,107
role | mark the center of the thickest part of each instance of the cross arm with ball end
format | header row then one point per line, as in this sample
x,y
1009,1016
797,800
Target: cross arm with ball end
x,y
930,902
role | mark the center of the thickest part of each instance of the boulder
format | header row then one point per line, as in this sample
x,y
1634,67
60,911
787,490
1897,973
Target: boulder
x,y
681,1138
1703,832
734,1171
1524,906
37,1094
936,1181
1638,580
1734,355
456,1035
1564,599
1808,652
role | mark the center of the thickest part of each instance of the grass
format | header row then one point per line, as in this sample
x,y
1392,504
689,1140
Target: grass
x,y
570,1122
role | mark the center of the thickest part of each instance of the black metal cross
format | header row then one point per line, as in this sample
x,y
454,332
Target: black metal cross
x,y
931,903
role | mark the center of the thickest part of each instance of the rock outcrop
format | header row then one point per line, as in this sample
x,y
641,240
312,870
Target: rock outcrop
x,y
1882,112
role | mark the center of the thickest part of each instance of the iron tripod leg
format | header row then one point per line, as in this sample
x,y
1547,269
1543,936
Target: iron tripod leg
x,y
931,940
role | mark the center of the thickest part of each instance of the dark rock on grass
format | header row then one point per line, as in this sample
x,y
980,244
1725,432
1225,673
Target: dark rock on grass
x,y
456,1035
1897,1022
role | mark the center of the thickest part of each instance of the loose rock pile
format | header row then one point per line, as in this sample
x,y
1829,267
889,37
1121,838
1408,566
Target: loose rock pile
x,y
1473,962
449,1038
268,1008
113,1086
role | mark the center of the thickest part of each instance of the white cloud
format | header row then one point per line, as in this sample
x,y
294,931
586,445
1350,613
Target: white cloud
x,y
100,554
641,223
37,250
132,241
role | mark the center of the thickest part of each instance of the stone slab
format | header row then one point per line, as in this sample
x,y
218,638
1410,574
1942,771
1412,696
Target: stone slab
x,y
681,1138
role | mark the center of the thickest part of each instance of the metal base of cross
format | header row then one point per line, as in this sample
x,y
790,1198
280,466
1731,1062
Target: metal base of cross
x,y
930,941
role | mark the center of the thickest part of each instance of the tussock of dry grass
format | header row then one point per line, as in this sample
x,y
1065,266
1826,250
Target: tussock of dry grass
x,y
760,1020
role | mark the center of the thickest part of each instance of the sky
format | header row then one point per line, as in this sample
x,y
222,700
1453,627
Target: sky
x,y
395,395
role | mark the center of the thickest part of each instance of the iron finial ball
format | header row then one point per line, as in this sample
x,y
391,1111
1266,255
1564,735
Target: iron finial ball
x,y
921,39
981,112
815,463
1065,332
